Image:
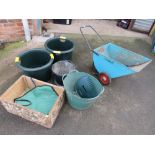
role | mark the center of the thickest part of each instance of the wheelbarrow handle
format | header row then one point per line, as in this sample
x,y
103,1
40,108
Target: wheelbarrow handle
x,y
89,26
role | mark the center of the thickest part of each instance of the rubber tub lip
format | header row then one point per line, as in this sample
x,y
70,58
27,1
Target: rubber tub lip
x,y
37,68
63,52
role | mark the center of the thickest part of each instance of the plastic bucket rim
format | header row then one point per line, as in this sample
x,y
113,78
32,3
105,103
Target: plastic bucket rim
x,y
36,68
61,61
64,52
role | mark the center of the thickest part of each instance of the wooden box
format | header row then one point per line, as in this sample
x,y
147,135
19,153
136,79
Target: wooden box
x,y
18,89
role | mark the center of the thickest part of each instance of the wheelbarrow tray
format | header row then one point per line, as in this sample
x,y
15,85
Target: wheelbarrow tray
x,y
116,61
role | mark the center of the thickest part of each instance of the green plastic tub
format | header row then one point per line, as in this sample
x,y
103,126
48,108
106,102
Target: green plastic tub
x,y
74,99
62,48
36,63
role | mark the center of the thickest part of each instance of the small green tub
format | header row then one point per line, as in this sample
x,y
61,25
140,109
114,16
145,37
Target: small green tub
x,y
74,99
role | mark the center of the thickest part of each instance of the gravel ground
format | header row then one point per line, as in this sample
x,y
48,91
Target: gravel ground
x,y
126,107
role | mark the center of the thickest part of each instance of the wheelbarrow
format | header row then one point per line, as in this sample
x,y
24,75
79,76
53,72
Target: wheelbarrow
x,y
112,61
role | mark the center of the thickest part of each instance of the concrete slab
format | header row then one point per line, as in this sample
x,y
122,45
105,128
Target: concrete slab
x,y
126,107
104,27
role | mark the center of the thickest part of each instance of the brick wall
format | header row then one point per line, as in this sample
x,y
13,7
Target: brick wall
x,y
12,29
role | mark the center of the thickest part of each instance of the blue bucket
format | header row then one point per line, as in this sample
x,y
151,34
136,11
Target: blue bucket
x,y
77,102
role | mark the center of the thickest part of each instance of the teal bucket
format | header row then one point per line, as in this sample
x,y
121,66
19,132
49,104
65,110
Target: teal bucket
x,y
77,102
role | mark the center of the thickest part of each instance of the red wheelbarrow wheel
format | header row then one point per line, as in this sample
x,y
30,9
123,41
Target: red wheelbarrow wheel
x,y
104,79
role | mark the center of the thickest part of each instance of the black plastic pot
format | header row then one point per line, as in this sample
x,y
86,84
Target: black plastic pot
x,y
61,48
36,63
62,21
60,68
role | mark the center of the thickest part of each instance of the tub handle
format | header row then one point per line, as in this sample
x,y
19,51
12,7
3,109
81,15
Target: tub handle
x,y
17,59
62,38
64,76
57,52
52,56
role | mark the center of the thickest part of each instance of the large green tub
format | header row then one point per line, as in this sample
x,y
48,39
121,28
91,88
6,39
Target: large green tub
x,y
36,63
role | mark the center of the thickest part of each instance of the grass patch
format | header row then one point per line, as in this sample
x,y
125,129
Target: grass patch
x,y
9,47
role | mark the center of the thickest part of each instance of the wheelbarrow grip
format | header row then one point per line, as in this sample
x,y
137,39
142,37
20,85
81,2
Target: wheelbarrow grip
x,y
87,42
